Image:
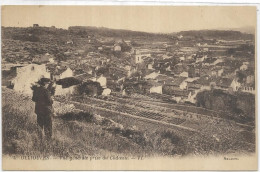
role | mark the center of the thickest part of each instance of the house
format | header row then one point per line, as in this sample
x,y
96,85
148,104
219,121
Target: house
x,y
235,85
209,61
162,78
117,47
184,74
200,59
140,55
180,95
59,90
138,58
84,77
154,87
152,75
60,72
177,83
102,80
70,42
51,60
217,62
225,84
43,59
106,92
9,72
79,52
118,77
194,85
27,76
220,72
243,67
165,56
250,79
168,69
150,66
202,83
180,68
246,76
217,71
192,97
205,71
205,49
182,58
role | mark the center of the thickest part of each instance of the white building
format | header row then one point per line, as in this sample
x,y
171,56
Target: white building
x,y
184,74
235,85
117,48
217,61
102,80
64,91
63,74
106,92
27,76
152,75
182,58
243,67
156,89
165,56
138,58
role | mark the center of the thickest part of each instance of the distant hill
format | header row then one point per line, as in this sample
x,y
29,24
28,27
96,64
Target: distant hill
x,y
61,35
217,34
107,32
246,29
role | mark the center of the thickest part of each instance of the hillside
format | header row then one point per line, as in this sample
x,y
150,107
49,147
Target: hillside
x,y
76,130
87,131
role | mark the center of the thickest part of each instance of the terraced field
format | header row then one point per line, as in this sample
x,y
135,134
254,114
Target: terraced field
x,y
131,110
158,111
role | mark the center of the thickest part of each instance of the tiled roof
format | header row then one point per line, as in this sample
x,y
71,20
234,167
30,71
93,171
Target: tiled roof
x,y
175,81
83,77
163,77
55,70
153,83
223,82
210,60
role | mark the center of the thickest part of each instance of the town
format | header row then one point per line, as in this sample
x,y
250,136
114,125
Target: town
x,y
181,80
178,66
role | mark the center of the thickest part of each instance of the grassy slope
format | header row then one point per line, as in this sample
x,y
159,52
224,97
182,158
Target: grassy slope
x,y
78,134
72,136
20,133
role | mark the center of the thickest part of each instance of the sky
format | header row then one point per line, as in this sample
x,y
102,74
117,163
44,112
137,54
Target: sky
x,y
163,19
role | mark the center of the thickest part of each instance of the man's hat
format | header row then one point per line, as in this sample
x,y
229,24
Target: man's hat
x,y
43,81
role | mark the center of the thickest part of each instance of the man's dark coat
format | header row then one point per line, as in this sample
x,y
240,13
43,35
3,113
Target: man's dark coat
x,y
43,101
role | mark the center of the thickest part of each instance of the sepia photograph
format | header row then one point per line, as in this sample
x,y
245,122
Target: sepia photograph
x,y
129,87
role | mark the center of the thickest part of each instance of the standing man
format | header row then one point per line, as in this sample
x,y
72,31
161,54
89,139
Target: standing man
x,y
43,106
